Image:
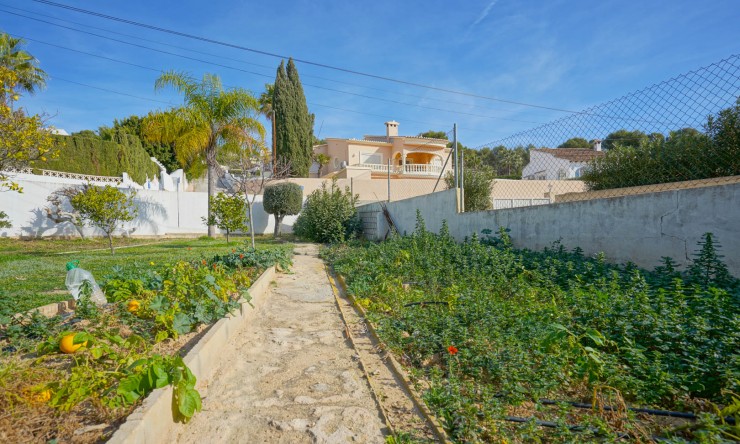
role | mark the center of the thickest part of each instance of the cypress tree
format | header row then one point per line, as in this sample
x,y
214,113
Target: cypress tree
x,y
293,123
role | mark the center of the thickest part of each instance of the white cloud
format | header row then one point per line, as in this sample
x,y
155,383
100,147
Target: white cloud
x,y
485,13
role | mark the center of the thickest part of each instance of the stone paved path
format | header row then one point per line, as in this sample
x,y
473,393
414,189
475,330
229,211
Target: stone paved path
x,y
290,377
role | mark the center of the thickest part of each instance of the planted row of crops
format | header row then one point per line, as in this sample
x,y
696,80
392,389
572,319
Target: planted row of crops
x,y
88,371
491,334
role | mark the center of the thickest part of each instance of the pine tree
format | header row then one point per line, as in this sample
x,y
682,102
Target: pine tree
x,y
293,122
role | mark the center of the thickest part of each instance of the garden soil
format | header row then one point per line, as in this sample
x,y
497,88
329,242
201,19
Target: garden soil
x,y
291,376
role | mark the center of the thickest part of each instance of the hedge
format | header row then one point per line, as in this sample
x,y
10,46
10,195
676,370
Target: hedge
x,y
91,155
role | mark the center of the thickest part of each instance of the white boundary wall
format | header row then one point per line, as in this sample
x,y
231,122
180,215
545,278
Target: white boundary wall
x,y
638,228
160,213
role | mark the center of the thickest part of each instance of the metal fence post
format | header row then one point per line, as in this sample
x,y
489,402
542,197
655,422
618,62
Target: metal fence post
x,y
462,177
389,180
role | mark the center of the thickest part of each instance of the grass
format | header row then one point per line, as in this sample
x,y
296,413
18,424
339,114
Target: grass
x,y
32,272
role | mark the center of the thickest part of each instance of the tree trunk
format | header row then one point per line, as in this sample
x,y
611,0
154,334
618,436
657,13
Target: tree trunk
x,y
278,221
110,243
251,222
227,237
211,161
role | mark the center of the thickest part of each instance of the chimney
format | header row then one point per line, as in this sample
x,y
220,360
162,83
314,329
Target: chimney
x,y
596,144
391,129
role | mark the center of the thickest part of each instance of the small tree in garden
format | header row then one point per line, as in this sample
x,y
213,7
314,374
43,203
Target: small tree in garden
x,y
58,212
329,215
477,188
22,138
106,208
282,199
255,165
227,213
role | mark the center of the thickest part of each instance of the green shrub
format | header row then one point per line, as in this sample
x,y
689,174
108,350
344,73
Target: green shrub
x,y
477,186
228,213
91,155
282,199
106,208
329,215
687,154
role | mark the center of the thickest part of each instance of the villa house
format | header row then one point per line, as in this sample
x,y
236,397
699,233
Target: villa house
x,y
560,163
410,156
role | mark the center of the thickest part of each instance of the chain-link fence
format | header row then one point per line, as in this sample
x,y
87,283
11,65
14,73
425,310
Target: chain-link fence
x,y
683,132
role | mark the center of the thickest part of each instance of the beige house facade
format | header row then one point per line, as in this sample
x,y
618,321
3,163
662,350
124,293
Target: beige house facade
x,y
409,156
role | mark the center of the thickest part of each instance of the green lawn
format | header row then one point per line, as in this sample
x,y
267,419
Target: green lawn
x,y
32,272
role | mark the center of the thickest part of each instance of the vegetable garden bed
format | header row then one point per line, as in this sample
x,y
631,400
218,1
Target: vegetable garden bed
x,y
492,336
117,354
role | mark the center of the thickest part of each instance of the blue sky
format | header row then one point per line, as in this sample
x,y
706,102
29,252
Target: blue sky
x,y
563,54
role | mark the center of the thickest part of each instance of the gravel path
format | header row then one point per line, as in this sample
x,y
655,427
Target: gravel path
x,y
290,377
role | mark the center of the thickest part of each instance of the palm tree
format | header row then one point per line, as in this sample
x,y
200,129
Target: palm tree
x,y
268,110
210,119
25,66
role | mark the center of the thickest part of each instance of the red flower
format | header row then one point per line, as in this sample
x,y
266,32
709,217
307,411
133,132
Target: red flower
x,y
452,349
241,256
214,266
204,261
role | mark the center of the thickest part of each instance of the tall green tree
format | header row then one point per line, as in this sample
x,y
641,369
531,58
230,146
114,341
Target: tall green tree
x,y
624,138
575,142
434,134
133,125
28,76
293,122
211,119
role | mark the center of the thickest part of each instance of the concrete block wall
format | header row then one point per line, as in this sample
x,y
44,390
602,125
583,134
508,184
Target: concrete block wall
x,y
370,216
638,228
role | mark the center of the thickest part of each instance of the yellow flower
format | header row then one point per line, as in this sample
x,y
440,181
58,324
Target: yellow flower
x,y
151,263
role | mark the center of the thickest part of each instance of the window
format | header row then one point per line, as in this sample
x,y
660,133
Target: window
x,y
374,158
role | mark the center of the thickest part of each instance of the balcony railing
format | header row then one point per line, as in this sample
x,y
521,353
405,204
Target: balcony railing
x,y
416,169
423,169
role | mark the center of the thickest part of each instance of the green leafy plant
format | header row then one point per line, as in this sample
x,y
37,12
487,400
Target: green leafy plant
x,y
329,215
228,212
556,325
477,187
106,208
707,268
